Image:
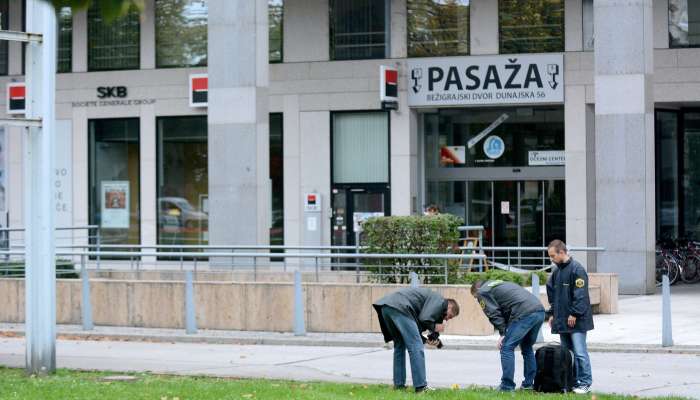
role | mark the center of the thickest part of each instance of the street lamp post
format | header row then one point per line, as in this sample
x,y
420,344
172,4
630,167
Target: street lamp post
x,y
40,268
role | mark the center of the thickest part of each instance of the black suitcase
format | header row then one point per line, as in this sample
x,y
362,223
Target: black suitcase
x,y
555,369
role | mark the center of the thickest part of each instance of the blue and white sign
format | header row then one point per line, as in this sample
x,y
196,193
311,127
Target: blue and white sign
x,y
494,147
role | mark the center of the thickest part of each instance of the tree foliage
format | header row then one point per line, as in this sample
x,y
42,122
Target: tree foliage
x,y
111,9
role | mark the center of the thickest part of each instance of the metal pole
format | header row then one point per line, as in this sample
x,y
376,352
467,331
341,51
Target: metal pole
x,y
415,282
316,258
357,261
86,305
39,164
299,325
667,331
445,271
99,244
190,320
255,269
536,292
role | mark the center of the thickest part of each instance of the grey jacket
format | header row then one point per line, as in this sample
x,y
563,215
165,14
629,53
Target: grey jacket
x,y
425,306
505,302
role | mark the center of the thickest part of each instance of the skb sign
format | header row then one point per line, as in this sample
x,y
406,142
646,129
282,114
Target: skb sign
x,y
199,90
16,98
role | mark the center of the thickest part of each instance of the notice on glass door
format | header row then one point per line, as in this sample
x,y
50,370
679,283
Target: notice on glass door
x,y
505,207
115,204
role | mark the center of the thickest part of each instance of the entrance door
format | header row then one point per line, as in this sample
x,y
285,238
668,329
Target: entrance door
x,y
353,204
518,214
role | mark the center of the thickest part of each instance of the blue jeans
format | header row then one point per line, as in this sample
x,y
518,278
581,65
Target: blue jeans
x,y
576,341
406,335
522,332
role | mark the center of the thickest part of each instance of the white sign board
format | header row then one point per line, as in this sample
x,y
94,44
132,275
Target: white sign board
x,y
505,207
63,174
115,204
553,157
478,80
359,217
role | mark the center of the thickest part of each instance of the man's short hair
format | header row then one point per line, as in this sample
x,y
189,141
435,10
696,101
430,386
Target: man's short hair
x,y
475,286
455,306
557,245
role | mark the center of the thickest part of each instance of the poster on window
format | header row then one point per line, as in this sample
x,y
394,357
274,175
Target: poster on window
x,y
115,204
451,155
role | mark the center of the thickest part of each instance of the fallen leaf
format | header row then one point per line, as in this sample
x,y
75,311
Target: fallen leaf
x,y
248,395
455,386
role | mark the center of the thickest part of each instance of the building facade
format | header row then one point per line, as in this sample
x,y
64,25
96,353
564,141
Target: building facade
x,y
510,115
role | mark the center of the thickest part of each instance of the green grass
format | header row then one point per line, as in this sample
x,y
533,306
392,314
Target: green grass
x,y
64,385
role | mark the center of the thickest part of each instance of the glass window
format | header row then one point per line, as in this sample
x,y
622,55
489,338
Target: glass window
x,y
275,21
521,133
449,197
113,45
438,28
65,40
181,33
4,23
666,174
588,26
183,181
277,178
684,23
531,26
361,147
114,179
691,174
358,29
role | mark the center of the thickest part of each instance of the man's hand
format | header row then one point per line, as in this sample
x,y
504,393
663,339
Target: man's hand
x,y
550,321
439,327
500,342
571,321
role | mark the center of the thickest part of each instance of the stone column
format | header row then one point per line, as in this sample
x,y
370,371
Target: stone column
x,y
624,140
238,122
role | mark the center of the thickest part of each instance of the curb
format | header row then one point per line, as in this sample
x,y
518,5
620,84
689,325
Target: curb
x,y
592,347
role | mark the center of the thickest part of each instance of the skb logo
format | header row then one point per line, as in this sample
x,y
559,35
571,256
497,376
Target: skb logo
x,y
104,92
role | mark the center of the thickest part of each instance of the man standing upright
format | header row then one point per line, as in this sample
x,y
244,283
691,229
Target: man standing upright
x,y
570,314
403,316
518,316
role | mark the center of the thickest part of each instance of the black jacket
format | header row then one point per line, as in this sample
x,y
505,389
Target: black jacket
x,y
425,306
567,291
505,302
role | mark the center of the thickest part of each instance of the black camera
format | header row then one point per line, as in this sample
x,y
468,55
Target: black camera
x,y
433,336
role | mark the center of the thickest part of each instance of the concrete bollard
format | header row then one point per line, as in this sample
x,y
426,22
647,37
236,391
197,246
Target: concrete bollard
x,y
666,327
299,325
190,318
86,306
536,292
415,282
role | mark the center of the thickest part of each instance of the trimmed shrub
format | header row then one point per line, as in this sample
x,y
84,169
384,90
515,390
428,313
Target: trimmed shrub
x,y
522,279
411,235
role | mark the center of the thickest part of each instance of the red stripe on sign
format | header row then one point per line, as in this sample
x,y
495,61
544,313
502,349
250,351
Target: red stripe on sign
x,y
18,92
200,83
392,76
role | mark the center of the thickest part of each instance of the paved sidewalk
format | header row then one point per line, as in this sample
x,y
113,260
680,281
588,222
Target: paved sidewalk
x,y
636,328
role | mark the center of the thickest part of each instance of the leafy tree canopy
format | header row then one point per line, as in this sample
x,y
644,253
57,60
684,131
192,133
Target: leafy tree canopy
x,y
111,9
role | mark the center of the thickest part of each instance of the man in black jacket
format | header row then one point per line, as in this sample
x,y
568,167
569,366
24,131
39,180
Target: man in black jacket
x,y
570,314
518,316
403,316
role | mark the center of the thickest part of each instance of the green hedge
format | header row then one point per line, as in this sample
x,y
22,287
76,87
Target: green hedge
x,y
65,269
522,279
411,235
424,235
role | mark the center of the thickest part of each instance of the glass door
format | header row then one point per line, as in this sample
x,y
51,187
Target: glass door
x,y
354,204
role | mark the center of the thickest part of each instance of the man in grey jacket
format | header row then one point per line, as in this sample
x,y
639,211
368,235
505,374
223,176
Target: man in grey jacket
x,y
403,316
518,316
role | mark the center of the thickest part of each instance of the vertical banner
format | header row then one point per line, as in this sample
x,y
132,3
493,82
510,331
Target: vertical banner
x,y
115,204
63,174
